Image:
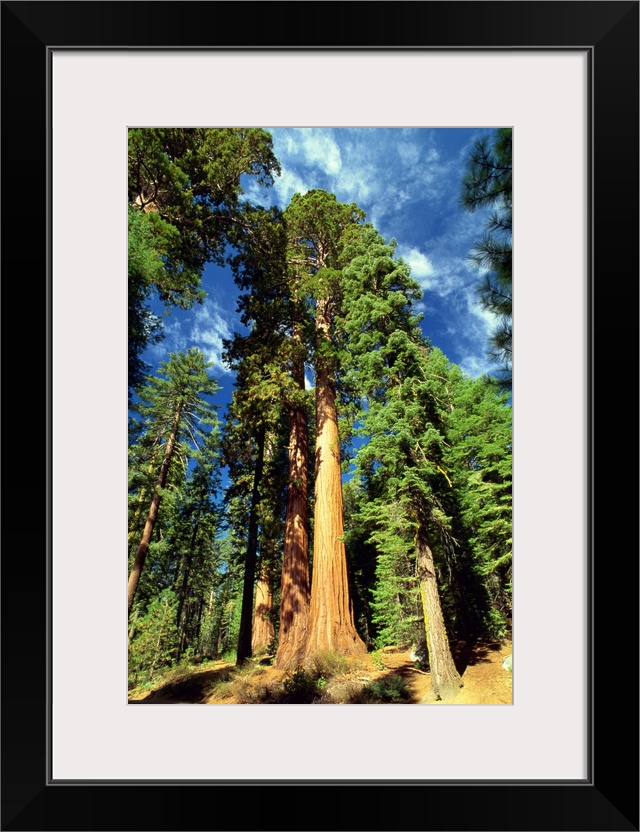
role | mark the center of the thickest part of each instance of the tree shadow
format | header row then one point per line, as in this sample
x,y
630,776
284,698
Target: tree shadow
x,y
469,653
191,689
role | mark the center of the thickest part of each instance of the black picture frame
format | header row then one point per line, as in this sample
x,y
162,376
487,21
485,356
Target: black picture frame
x,y
608,798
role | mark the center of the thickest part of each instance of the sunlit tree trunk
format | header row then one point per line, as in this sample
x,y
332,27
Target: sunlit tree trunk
x,y
143,548
263,629
331,622
294,593
445,679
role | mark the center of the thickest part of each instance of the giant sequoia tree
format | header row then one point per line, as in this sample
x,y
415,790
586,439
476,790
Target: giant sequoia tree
x,y
319,227
323,297
175,408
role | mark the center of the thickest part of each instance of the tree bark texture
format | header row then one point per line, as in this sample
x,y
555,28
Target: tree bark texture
x,y
263,629
445,679
143,548
246,614
331,623
294,592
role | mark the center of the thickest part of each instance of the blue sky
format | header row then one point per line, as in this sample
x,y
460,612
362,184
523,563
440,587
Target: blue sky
x,y
407,180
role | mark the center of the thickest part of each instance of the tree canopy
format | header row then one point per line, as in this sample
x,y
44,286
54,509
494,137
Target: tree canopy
x,y
370,507
487,183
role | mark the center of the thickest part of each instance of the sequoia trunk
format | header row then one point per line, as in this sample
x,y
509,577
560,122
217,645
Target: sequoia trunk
x,y
263,629
331,623
294,593
143,548
445,679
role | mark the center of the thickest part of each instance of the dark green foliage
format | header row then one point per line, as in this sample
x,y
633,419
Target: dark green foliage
x,y
414,445
186,184
155,640
301,687
487,182
180,395
433,455
480,457
391,689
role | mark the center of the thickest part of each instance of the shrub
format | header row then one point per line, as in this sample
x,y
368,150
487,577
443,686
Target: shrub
x,y
329,664
389,689
302,686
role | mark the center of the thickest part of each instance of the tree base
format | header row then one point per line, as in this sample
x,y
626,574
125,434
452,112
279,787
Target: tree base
x,y
446,693
341,645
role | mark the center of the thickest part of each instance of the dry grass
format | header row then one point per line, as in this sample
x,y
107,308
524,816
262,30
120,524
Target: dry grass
x,y
381,677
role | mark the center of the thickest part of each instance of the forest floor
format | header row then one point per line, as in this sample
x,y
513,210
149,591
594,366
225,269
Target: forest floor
x,y
385,676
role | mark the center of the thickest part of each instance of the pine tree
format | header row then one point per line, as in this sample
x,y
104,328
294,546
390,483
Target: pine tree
x,y
479,457
487,182
155,639
259,359
192,537
401,464
184,190
176,410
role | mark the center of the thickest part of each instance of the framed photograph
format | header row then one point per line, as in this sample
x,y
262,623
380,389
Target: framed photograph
x,y
564,77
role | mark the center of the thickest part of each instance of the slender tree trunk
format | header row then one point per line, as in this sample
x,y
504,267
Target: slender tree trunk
x,y
132,628
294,591
161,634
331,623
143,548
263,629
246,615
445,679
180,619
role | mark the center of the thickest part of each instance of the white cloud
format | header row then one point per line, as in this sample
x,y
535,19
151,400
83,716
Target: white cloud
x,y
421,267
309,378
320,148
174,339
409,153
210,327
287,185
356,184
311,146
476,365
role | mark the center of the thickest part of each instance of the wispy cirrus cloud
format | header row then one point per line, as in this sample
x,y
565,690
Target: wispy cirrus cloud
x,y
314,147
204,329
211,325
408,182
288,184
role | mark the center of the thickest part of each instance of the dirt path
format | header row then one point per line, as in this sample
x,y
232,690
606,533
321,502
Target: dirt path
x,y
486,681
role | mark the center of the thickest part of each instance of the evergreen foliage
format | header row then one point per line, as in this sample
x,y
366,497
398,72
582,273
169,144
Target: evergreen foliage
x,y
156,637
187,185
420,536
177,421
487,182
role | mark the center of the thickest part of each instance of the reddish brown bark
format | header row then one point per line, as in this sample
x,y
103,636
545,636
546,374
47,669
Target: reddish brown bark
x,y
294,594
143,548
331,623
445,679
263,629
